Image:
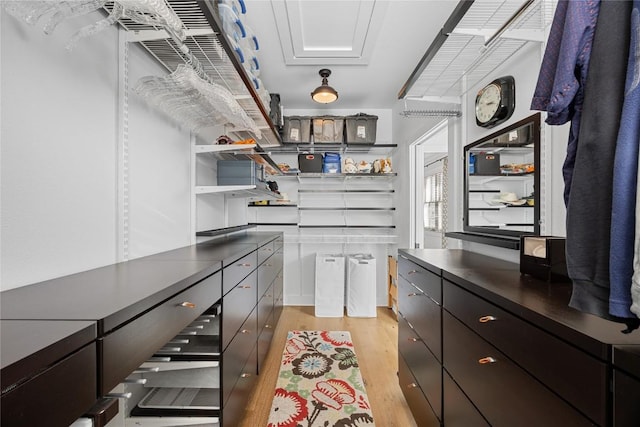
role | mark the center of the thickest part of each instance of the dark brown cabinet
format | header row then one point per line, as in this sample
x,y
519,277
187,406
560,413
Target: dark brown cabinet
x,y
513,352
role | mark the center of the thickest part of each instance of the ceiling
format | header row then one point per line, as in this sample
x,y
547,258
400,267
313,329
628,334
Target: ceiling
x,y
373,46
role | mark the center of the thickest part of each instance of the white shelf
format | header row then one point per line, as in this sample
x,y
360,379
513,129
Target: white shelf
x,y
247,191
223,148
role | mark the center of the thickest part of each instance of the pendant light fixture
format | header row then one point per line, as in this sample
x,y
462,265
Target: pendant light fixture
x,y
324,93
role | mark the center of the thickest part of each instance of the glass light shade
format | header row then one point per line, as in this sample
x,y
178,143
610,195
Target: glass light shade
x,y
324,94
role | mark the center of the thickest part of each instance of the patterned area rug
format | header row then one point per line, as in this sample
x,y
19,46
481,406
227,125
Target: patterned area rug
x,y
320,383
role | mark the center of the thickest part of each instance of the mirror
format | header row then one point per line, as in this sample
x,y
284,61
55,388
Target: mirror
x,y
502,181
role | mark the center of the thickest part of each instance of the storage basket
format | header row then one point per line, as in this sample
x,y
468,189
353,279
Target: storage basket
x,y
297,130
331,163
361,128
328,129
310,162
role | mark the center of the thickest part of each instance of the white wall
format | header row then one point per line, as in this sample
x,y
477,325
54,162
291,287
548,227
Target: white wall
x,y
59,146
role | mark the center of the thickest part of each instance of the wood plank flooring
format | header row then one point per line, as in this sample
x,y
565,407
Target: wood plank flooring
x,y
375,341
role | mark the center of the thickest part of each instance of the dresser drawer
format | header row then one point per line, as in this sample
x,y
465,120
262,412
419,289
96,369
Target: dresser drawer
x,y
267,272
233,273
422,313
236,306
576,376
427,281
458,409
234,410
265,251
264,340
236,363
126,348
265,307
626,411
503,392
56,396
423,365
418,403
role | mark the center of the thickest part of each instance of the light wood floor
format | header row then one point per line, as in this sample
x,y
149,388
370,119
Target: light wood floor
x,y
376,347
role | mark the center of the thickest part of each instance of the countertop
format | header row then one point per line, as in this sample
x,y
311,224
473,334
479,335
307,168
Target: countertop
x,y
542,303
114,294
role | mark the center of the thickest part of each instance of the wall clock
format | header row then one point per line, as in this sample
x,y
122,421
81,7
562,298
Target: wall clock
x,y
495,102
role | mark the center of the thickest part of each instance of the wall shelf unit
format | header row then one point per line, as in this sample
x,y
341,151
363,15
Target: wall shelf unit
x,y
344,148
250,191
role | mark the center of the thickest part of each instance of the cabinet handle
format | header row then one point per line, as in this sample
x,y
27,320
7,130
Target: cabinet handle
x,y
245,331
412,385
267,326
151,369
245,375
412,294
487,360
268,265
485,319
118,395
244,286
413,272
412,339
187,304
159,359
246,264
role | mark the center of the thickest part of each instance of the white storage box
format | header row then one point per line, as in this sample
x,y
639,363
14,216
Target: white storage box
x,y
329,294
361,285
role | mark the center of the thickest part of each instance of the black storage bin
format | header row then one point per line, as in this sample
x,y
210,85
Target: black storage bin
x,y
361,129
487,164
328,129
308,162
240,172
297,130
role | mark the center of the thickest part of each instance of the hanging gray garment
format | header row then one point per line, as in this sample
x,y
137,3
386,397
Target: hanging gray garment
x,y
589,208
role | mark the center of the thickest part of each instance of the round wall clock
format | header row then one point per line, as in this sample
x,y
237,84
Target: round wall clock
x,y
495,102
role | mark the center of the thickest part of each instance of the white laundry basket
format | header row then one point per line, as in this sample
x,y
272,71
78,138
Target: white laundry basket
x,y
361,285
329,293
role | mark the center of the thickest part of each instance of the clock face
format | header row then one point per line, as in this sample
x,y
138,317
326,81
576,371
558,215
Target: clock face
x,y
488,103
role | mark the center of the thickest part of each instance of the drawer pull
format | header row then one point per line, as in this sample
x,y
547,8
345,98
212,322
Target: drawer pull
x,y
268,265
159,359
245,331
485,319
412,294
244,287
412,385
245,375
412,339
267,326
180,341
245,264
187,304
118,395
150,369
487,360
413,272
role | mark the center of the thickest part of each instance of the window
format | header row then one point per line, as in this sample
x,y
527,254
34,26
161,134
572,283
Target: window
x,y
434,198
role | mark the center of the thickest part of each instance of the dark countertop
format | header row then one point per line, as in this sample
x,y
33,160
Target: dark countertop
x,y
540,302
30,346
116,293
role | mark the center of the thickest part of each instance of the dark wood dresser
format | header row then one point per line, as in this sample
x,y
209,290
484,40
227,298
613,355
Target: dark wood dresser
x,y
482,345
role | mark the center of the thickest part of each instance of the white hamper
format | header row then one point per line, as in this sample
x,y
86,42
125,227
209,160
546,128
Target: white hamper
x,y
361,285
329,300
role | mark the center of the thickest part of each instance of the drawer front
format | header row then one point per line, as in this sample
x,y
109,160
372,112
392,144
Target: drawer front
x,y
458,409
265,252
418,403
236,271
278,293
234,410
423,314
503,392
423,365
236,306
57,396
236,363
576,376
123,350
267,273
265,308
626,411
428,282
264,341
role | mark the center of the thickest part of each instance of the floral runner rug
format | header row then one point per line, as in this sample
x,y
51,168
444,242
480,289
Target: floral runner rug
x,y
320,383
